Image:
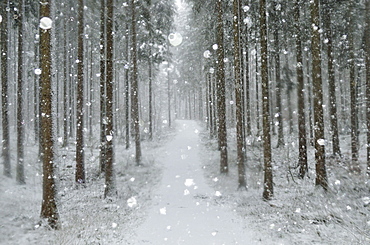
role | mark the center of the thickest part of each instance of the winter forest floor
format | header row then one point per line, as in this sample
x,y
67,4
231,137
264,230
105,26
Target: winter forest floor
x,y
179,197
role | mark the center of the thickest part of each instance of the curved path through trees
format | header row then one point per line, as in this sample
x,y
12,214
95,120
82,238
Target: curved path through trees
x,y
185,209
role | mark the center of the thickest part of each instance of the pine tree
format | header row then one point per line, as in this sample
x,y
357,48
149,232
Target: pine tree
x,y
238,98
110,188
302,135
319,140
327,12
20,121
279,86
49,209
134,86
353,90
103,142
4,89
222,131
268,190
80,164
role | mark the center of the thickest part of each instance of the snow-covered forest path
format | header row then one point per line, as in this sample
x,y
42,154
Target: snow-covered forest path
x,y
185,209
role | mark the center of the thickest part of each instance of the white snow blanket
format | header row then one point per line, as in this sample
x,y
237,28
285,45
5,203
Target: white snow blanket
x,y
183,211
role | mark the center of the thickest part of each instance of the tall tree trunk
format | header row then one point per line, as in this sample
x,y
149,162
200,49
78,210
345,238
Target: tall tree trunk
x,y
91,93
353,92
49,209
331,72
135,88
36,85
268,190
150,96
242,76
110,188
238,99
319,138
4,89
127,92
222,131
279,86
20,121
210,105
80,163
65,87
258,116
367,52
103,132
247,83
302,135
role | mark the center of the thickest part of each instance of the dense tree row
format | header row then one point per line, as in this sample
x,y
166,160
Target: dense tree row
x,y
278,60
82,68
262,68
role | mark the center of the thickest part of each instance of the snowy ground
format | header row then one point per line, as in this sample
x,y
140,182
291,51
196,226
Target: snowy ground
x,y
178,197
299,213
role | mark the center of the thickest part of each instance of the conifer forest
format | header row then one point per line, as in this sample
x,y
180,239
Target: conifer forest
x,y
192,122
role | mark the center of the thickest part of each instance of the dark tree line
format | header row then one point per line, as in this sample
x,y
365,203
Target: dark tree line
x,y
84,63
268,60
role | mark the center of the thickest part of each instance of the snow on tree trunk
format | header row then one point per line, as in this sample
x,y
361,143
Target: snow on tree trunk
x,y
321,176
49,209
268,190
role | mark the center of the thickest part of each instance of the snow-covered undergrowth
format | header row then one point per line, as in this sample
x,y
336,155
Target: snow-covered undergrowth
x,y
299,212
87,218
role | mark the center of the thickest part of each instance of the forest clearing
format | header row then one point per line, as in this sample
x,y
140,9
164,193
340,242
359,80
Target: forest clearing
x,y
185,122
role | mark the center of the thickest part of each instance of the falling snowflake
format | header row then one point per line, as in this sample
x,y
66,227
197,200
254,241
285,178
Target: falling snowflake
x,y
46,23
321,141
37,71
189,182
175,39
163,211
207,54
218,194
131,202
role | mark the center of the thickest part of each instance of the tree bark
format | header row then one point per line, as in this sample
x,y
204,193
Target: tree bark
x,y
331,85
302,135
4,89
135,89
268,190
127,92
103,133
110,188
80,151
65,87
247,84
319,138
278,81
49,209
353,91
238,99
20,121
222,131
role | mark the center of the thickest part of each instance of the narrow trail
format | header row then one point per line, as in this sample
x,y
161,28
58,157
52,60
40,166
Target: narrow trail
x,y
184,209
